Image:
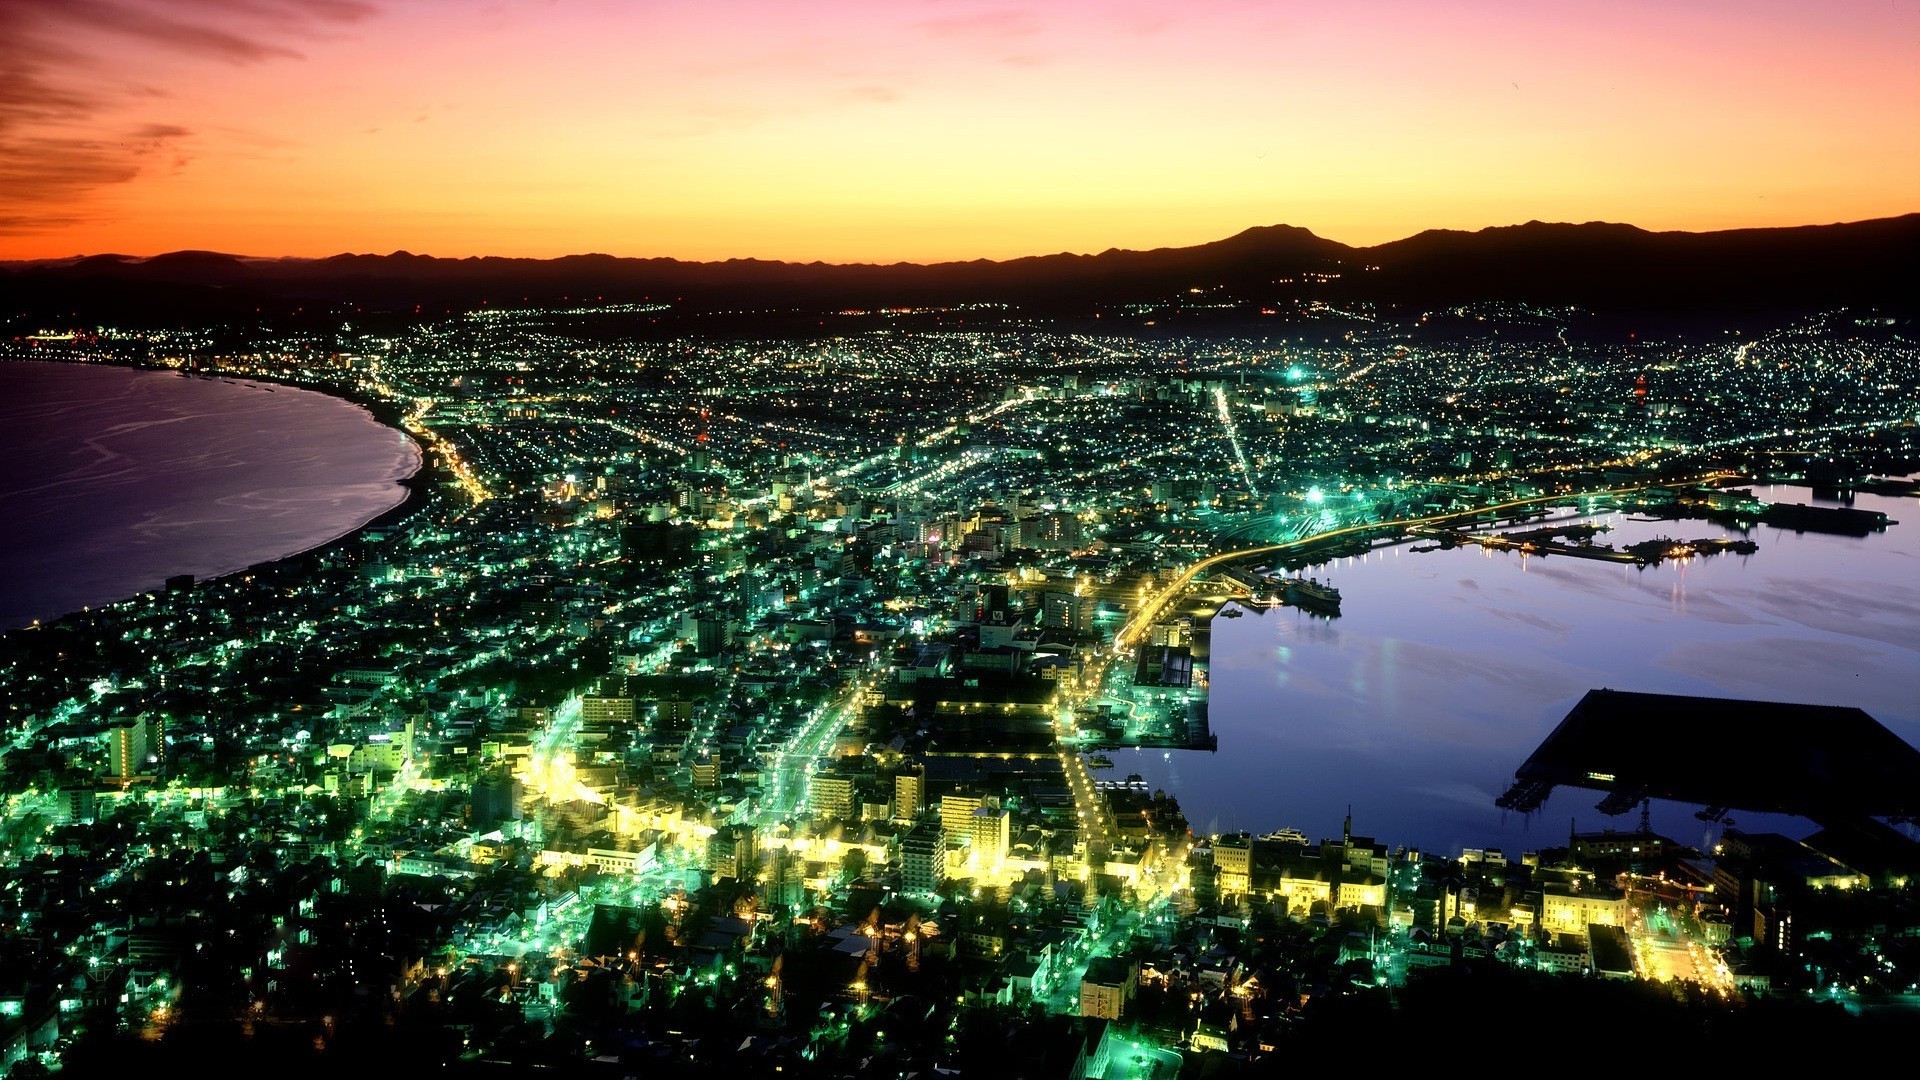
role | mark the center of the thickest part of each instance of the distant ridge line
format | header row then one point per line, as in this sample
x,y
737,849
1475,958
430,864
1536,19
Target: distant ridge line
x,y
1602,265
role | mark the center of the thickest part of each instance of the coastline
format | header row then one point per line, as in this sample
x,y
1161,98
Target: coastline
x,y
418,485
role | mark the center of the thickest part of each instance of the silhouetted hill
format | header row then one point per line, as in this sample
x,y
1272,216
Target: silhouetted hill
x,y
1599,265
1620,267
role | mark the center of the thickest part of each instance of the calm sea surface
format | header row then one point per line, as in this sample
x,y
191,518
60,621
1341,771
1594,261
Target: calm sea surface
x,y
1447,668
114,479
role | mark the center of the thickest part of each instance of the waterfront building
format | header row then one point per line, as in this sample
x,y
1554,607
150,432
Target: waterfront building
x,y
1572,906
1231,863
1761,875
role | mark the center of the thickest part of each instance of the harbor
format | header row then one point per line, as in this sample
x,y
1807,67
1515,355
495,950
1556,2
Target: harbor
x,y
1397,689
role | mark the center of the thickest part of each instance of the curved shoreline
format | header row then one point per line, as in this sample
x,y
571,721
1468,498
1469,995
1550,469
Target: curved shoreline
x,y
417,484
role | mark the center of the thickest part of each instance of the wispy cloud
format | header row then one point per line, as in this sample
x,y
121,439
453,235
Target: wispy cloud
x,y
23,224
56,90
999,24
158,132
1006,34
151,27
41,177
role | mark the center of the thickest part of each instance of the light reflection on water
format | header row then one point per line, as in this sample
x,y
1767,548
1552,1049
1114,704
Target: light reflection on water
x,y
1447,668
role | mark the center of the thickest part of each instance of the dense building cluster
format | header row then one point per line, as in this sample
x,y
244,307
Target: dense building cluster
x,y
741,699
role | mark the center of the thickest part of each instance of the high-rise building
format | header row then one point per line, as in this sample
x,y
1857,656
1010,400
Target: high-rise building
x,y
784,883
830,795
956,813
732,852
909,792
708,633
1232,863
991,831
673,714
1058,531
76,804
133,747
659,543
1107,987
495,798
923,857
598,711
991,604
1066,611
706,773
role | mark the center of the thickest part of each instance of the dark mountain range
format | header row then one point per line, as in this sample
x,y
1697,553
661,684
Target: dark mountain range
x,y
1601,266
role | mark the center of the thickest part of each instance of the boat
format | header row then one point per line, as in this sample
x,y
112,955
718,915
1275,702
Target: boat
x,y
1231,613
1312,594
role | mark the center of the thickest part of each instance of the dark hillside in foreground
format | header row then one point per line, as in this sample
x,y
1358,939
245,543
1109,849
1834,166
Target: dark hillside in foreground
x,y
1604,267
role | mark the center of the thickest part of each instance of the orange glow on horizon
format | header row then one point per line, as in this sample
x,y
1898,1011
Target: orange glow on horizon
x,y
870,131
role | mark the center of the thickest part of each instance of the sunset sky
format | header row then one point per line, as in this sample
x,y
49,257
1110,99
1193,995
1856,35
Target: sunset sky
x,y
926,130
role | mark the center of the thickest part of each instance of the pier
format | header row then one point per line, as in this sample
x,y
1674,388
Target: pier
x,y
1737,508
1543,541
1553,540
1665,547
1843,520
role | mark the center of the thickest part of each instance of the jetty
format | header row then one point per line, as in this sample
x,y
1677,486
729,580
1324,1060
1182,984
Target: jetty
x,y
1543,541
1666,547
1844,520
1577,541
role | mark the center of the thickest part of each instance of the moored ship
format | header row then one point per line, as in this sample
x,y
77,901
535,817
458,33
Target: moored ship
x,y
1311,594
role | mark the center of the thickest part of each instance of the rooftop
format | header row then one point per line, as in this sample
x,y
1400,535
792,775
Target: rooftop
x,y
1823,762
